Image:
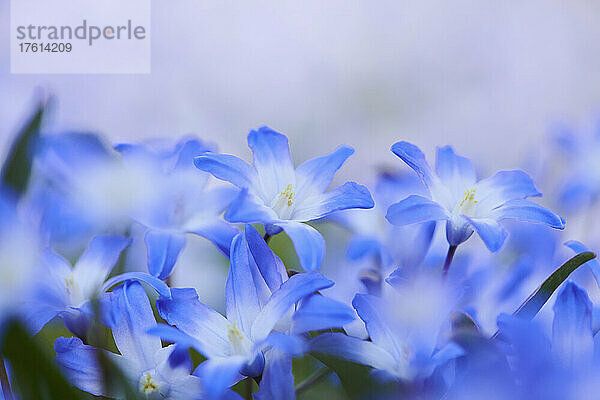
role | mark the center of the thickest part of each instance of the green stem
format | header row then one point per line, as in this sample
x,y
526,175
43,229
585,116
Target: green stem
x,y
267,237
312,379
4,381
248,394
449,257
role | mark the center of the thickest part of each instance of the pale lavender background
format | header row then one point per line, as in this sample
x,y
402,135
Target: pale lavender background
x,y
488,77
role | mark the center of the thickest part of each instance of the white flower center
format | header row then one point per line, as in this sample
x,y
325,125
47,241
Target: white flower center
x,y
468,203
74,291
283,204
148,384
237,339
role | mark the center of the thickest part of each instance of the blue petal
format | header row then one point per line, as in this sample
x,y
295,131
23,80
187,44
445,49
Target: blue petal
x,y
109,305
576,194
380,329
572,335
455,171
517,276
37,314
282,300
490,231
415,209
349,195
188,150
308,242
528,345
77,321
363,246
163,249
525,210
60,155
315,176
158,285
414,158
79,362
293,345
273,230
180,356
246,290
136,317
318,313
272,160
132,151
181,339
353,349
504,186
594,264
247,207
277,381
219,232
50,298
449,352
271,267
218,374
227,168
186,312
458,230
97,261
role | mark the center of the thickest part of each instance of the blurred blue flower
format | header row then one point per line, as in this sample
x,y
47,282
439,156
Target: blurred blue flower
x,y
466,204
20,252
556,367
391,246
580,186
66,291
83,187
142,359
403,330
499,282
260,317
281,197
186,204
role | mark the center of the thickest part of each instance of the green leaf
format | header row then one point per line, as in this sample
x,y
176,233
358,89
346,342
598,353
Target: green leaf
x,y
35,375
17,166
538,298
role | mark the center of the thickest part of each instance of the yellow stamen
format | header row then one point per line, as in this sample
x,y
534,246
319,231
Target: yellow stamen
x,y
469,196
236,338
147,384
288,194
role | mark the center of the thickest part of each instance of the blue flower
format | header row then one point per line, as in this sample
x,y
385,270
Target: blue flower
x,y
185,205
466,204
403,330
373,237
579,187
556,367
142,359
281,197
260,321
95,189
66,291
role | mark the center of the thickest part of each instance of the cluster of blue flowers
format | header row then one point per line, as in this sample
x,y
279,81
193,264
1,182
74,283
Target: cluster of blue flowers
x,y
421,311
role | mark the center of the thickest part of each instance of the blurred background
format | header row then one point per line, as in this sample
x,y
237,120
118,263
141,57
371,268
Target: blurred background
x,y
488,77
